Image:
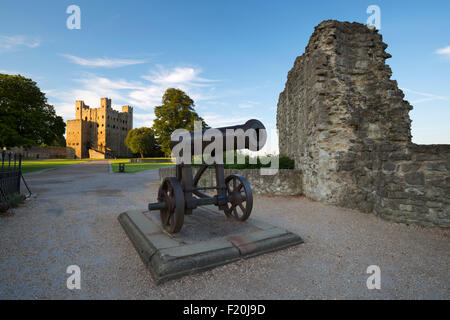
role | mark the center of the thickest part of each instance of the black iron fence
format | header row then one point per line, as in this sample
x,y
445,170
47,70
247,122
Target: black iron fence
x,y
10,175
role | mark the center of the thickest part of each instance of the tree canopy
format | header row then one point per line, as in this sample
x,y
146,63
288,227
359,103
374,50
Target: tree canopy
x,y
143,141
176,112
26,118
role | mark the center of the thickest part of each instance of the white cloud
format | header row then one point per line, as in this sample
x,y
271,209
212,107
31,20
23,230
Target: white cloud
x,y
444,51
103,62
8,72
24,74
177,76
143,95
8,43
147,93
217,120
91,88
143,119
426,96
248,104
186,79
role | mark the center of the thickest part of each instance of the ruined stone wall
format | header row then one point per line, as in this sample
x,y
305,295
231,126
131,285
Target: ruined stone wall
x,y
37,152
404,184
346,125
284,182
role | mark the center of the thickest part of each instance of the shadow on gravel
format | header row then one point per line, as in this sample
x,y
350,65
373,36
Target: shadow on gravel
x,y
105,193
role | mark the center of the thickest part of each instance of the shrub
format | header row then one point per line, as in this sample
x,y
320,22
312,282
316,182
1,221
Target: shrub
x,y
250,163
286,162
14,200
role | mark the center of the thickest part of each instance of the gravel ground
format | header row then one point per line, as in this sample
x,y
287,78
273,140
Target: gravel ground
x,y
73,220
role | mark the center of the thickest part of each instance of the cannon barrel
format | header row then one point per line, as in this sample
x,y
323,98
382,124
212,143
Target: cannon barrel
x,y
250,135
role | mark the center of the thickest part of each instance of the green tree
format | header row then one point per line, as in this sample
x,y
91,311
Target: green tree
x,y
176,112
26,118
143,141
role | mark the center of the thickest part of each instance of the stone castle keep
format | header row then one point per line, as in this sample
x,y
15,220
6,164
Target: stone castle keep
x,y
346,125
99,132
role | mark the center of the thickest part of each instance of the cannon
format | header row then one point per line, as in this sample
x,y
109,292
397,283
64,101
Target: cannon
x,y
180,195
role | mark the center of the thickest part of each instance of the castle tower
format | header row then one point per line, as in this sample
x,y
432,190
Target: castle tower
x,y
99,131
105,103
79,105
129,111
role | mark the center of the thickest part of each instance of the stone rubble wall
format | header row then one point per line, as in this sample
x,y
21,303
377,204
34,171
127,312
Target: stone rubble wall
x,y
37,152
285,182
345,123
406,184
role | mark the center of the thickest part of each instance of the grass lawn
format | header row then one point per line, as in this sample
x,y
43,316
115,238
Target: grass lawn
x,y
136,167
35,165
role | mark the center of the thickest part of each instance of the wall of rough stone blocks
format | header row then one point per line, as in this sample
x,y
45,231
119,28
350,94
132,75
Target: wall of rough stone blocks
x,y
37,152
285,182
405,184
346,124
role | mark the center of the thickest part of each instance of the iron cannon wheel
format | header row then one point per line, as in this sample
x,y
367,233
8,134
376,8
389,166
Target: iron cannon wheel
x,y
240,197
172,217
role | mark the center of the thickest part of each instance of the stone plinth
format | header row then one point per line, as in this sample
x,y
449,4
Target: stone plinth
x,y
208,239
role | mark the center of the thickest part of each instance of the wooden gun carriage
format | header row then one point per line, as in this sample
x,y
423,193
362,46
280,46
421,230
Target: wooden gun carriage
x,y
181,194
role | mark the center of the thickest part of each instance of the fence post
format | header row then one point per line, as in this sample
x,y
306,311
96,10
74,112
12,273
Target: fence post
x,y
9,161
19,172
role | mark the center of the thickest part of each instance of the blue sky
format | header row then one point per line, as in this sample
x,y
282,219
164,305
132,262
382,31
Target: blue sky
x,y
231,57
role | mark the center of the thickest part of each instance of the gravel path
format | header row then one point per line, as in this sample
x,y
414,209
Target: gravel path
x,y
73,220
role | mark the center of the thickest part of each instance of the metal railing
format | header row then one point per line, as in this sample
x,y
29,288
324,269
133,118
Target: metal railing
x,y
10,176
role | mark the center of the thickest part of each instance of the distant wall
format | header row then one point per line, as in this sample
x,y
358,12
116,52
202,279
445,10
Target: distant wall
x,y
151,160
94,154
285,182
45,152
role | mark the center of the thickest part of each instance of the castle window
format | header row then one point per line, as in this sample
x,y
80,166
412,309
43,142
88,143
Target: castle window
x,y
85,118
